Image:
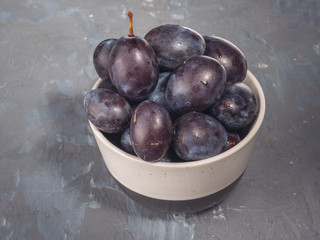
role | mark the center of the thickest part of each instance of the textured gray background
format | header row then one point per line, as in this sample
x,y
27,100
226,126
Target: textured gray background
x,y
53,182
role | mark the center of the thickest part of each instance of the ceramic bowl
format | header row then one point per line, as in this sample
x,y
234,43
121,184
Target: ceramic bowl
x,y
181,187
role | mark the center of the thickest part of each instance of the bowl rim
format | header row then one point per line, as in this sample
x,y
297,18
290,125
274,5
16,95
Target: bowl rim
x,y
188,164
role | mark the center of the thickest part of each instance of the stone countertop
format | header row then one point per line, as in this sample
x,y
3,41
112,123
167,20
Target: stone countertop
x,y
53,182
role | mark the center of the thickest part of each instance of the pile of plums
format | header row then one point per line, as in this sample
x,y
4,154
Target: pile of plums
x,y
173,95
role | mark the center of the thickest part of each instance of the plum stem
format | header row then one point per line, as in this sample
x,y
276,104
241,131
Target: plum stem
x,y
130,15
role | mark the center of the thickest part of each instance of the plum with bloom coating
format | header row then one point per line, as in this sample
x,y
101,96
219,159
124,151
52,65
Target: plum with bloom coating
x,y
125,142
133,67
229,55
236,108
150,131
174,44
107,110
101,57
195,85
198,136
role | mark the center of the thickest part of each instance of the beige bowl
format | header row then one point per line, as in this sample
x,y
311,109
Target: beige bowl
x,y
182,186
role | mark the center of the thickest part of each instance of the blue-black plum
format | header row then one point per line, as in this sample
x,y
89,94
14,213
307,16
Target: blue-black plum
x,y
107,110
158,94
195,85
171,157
150,131
233,139
236,108
125,142
198,136
101,57
174,44
133,67
229,55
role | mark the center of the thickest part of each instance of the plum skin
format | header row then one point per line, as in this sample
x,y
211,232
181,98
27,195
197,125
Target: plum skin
x,y
229,55
101,57
195,85
233,139
125,142
174,44
150,131
198,136
236,108
133,68
107,110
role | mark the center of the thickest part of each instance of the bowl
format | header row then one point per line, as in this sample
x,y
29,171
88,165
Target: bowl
x,y
182,187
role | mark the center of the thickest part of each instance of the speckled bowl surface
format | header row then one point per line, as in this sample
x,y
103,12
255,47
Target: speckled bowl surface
x,y
182,186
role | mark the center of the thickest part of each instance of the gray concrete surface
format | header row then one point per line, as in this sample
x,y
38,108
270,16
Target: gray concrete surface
x,y
53,182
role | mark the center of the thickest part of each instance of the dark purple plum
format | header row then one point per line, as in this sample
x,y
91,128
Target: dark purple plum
x,y
198,136
229,55
107,84
195,85
158,94
133,67
107,110
236,108
171,157
150,131
125,142
101,57
174,44
233,139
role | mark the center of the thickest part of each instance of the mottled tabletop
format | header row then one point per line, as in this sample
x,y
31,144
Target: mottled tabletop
x,y
53,181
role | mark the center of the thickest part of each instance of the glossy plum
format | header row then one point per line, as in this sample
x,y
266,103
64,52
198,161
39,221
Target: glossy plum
x,y
107,84
106,110
125,142
174,44
197,136
229,55
150,131
158,94
195,85
233,139
236,108
171,157
133,68
101,57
